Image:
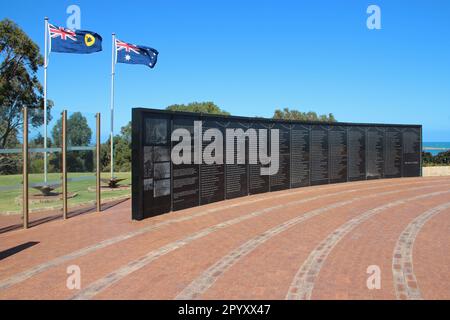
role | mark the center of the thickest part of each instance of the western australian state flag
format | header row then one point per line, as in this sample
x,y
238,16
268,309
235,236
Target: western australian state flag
x,y
133,54
69,41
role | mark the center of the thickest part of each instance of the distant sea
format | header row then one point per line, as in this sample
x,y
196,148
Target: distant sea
x,y
439,145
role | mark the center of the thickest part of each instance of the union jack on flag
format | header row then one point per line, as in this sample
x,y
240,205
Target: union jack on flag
x,y
73,41
127,47
134,54
61,32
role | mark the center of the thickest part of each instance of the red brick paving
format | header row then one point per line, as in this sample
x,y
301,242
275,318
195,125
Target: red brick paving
x,y
265,273
280,257
432,258
372,243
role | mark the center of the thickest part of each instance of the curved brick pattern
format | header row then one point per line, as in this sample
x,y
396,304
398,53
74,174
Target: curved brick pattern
x,y
363,260
405,282
191,261
303,283
207,279
107,281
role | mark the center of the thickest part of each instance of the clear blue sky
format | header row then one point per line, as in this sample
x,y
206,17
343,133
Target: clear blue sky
x,y
251,57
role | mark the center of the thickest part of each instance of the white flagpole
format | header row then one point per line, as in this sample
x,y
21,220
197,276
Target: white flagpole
x,y
113,65
45,99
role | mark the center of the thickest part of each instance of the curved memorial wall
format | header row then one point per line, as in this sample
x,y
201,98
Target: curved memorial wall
x,y
225,157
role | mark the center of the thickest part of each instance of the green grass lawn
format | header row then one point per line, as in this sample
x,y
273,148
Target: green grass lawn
x,y
8,198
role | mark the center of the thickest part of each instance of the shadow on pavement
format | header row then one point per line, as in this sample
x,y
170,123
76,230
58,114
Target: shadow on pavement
x,y
57,215
12,251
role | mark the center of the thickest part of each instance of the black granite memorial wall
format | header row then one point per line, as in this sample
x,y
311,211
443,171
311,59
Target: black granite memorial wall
x,y
309,154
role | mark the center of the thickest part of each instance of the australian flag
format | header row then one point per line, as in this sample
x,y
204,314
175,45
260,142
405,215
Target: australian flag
x,y
70,41
133,54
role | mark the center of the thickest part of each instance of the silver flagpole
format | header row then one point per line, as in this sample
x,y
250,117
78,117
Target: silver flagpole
x,y
45,99
113,65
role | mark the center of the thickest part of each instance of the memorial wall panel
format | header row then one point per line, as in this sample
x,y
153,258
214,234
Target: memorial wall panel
x,y
237,173
156,165
212,176
412,147
282,179
319,155
375,153
259,183
338,154
300,160
356,153
393,153
186,176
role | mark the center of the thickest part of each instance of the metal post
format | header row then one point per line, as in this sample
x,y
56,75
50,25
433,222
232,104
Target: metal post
x,y
45,99
113,64
64,163
25,169
98,168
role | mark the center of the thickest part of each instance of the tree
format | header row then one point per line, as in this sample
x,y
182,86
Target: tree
x,y
199,107
78,131
19,85
442,158
122,151
10,164
427,158
78,134
287,114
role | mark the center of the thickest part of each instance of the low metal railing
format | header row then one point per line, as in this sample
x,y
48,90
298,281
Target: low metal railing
x,y
64,149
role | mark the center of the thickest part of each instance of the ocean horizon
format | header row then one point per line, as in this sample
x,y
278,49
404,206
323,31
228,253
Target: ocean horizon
x,y
437,145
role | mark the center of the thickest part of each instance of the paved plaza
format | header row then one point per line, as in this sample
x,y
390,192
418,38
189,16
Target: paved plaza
x,y
379,239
